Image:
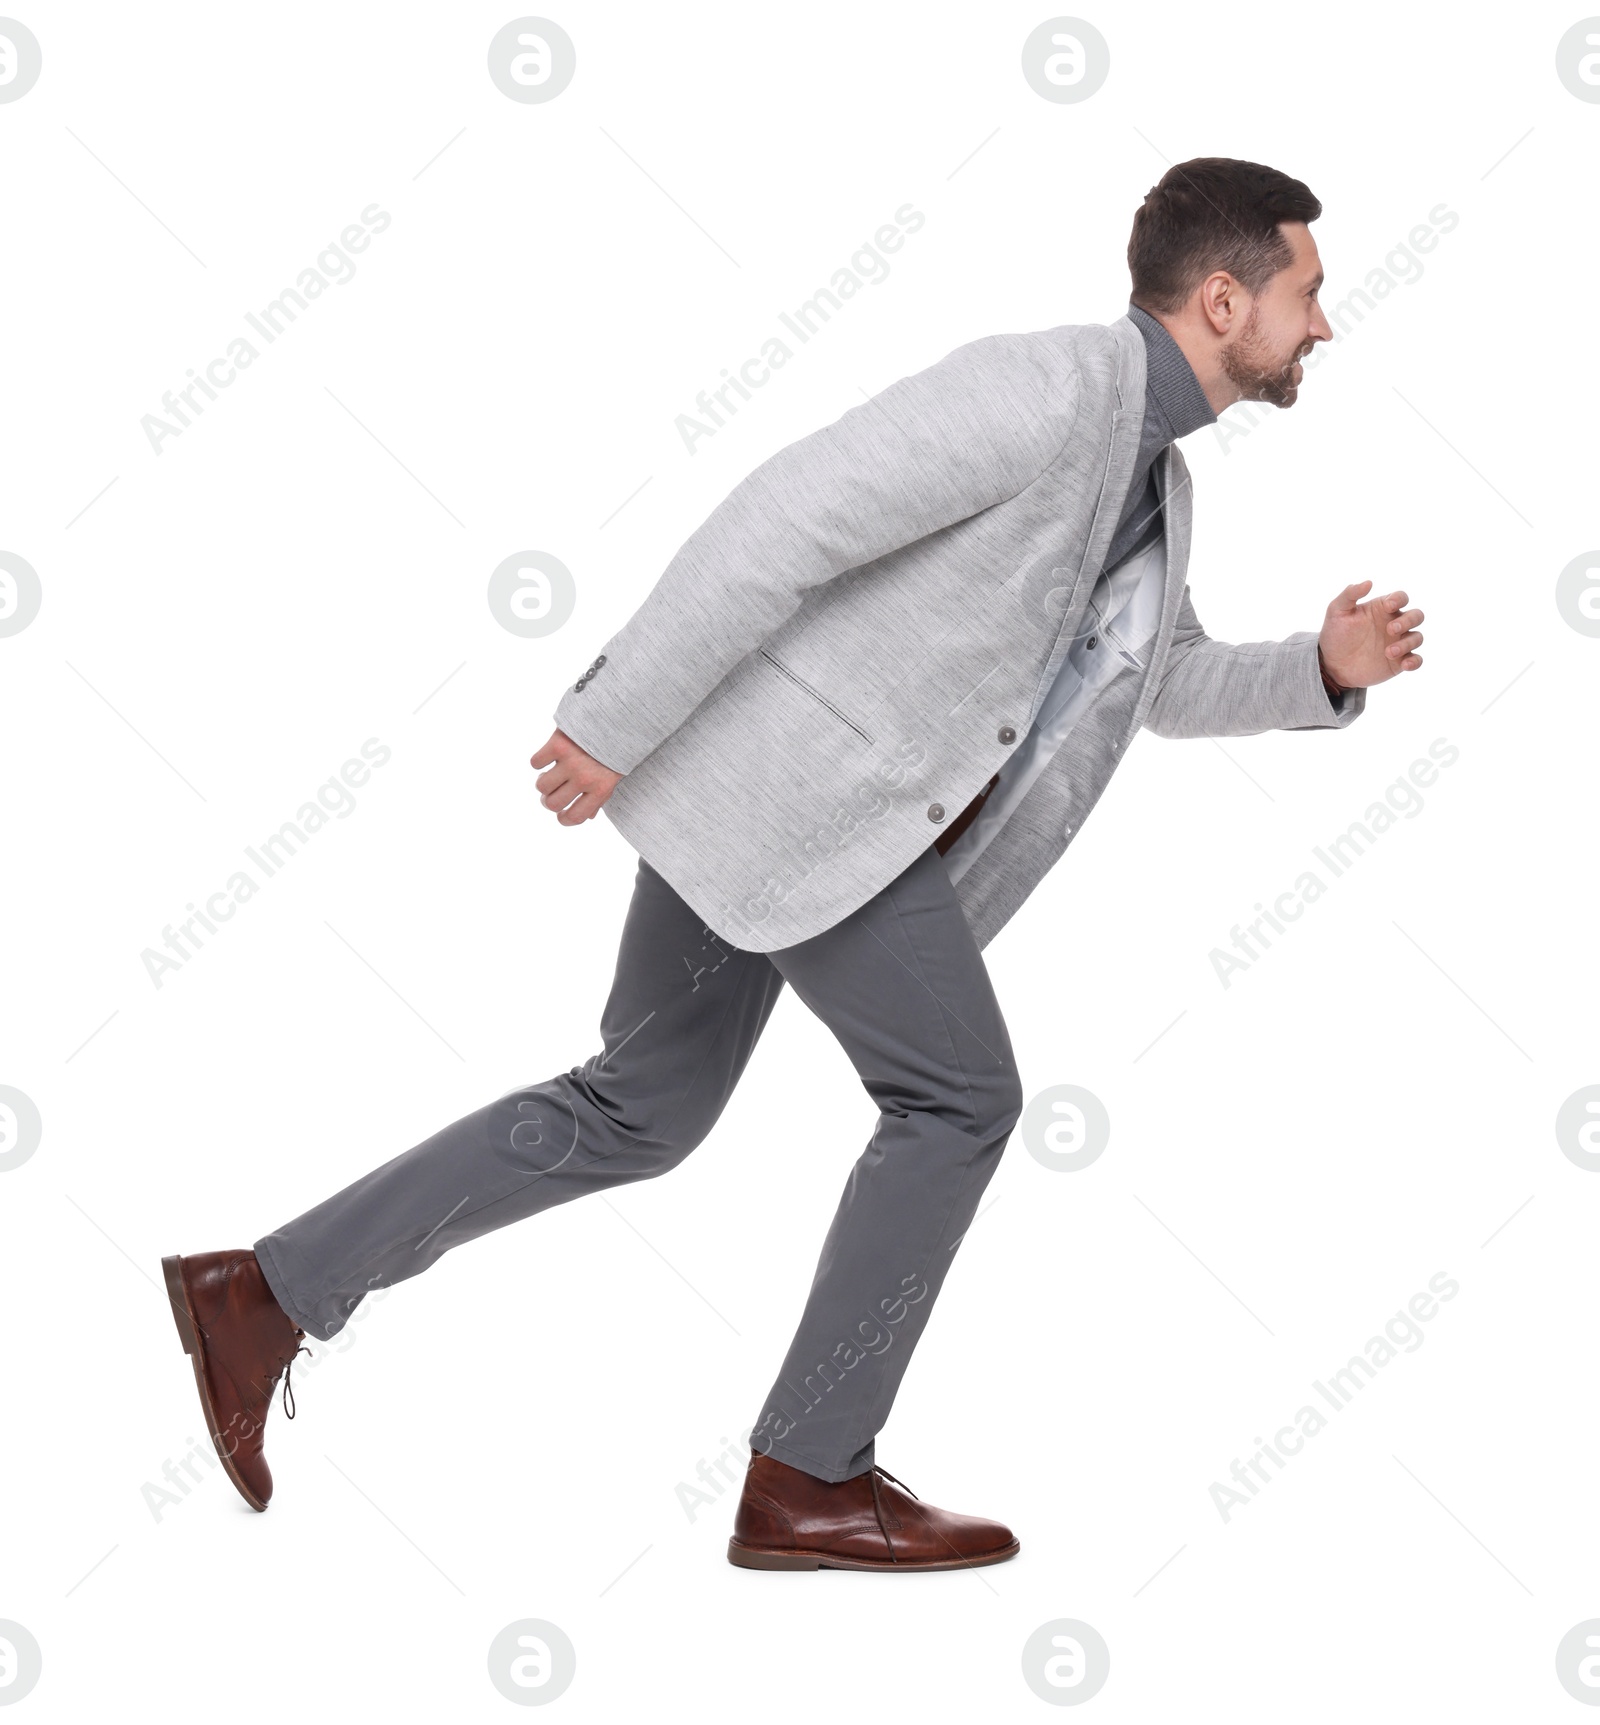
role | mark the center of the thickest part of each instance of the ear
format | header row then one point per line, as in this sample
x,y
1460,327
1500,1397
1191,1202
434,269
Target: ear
x,y
1222,302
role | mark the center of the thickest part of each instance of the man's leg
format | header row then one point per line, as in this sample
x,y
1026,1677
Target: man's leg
x,y
903,986
683,1016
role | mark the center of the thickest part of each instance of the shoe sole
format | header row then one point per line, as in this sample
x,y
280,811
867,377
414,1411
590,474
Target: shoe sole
x,y
189,1334
755,1557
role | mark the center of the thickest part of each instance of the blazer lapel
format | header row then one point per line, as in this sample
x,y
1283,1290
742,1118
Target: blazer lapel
x,y
1177,509
1122,450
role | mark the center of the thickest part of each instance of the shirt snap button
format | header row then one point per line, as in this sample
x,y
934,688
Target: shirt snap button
x,y
1007,734
935,811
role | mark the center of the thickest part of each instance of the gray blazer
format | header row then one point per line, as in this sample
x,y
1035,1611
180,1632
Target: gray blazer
x,y
841,656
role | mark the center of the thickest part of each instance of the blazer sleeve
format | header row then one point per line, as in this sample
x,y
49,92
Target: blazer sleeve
x,y
1219,689
930,450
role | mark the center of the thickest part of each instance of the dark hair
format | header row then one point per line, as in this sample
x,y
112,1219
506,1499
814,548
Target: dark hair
x,y
1212,213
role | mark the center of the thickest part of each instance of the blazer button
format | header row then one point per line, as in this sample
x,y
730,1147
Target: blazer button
x,y
1093,641
601,660
935,811
1008,734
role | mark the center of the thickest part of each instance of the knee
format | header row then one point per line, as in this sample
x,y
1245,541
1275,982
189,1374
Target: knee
x,y
663,1131
999,1103
663,1139
642,1142
652,1157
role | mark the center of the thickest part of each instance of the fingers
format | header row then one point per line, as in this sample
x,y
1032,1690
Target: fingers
x,y
1393,601
1346,601
573,786
555,746
585,808
1399,649
1411,662
1406,620
573,797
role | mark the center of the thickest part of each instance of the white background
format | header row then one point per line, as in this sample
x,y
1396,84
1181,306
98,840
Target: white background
x,y
1289,1163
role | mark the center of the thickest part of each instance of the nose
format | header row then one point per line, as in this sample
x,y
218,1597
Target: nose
x,y
1321,329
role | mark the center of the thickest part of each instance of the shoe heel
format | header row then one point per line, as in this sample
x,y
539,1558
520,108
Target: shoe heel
x,y
746,1557
172,1271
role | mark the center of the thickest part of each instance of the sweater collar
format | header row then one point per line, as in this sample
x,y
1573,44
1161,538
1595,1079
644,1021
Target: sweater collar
x,y
1169,378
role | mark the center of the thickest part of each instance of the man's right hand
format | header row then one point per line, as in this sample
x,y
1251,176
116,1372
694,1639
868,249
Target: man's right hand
x,y
575,785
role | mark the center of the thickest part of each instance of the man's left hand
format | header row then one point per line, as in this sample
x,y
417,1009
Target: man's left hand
x,y
1362,644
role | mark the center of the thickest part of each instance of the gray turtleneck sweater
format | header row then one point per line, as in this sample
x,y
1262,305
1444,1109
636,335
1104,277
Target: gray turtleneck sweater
x,y
1174,405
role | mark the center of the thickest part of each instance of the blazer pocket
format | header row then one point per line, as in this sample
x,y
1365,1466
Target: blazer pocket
x,y
815,694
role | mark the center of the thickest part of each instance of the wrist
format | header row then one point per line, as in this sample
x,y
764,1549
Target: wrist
x,y
1328,682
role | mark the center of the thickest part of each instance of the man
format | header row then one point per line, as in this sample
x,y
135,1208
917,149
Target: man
x,y
866,707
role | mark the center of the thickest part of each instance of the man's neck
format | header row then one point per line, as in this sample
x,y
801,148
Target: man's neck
x,y
1170,375
1198,346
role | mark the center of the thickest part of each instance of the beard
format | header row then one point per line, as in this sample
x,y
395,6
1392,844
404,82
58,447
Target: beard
x,y
1257,374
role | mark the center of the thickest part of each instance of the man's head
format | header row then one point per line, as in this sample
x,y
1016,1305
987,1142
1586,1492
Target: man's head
x,y
1222,254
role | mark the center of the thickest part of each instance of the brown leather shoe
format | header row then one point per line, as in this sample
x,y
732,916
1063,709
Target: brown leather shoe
x,y
239,1340
792,1520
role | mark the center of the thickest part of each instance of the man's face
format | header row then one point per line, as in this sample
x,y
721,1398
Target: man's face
x,y
1284,323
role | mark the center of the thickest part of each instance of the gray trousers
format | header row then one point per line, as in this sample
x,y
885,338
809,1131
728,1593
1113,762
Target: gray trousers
x,y
901,983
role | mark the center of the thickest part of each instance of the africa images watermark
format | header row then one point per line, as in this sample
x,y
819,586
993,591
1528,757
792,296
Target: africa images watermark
x,y
722,1471
195,1465
1403,799
332,268
1400,268
867,268
873,1334
829,838
272,853
1402,1332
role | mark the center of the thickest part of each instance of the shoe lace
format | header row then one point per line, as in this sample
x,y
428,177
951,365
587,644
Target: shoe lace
x,y
877,1504
288,1368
